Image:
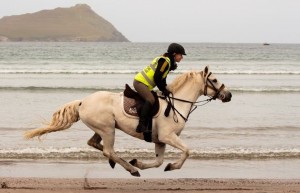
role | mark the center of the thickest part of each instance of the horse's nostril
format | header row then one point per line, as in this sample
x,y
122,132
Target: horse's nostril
x,y
222,96
227,97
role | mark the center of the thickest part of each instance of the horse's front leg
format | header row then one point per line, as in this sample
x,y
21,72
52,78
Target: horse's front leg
x,y
159,152
173,140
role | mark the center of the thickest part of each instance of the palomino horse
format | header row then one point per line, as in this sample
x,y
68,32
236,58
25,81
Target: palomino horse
x,y
102,112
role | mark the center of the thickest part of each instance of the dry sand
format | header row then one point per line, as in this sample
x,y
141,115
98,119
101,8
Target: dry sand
x,y
187,185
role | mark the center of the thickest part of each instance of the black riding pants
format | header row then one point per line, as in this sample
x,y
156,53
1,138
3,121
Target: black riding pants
x,y
143,91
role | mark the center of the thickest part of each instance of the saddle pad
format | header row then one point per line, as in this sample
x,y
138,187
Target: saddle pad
x,y
132,107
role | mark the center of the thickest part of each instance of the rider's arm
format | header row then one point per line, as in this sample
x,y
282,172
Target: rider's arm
x,y
161,68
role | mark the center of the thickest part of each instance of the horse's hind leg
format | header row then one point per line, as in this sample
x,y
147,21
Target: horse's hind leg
x,y
95,142
159,151
108,151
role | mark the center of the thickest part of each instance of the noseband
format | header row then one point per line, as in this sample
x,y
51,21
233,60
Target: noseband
x,y
212,86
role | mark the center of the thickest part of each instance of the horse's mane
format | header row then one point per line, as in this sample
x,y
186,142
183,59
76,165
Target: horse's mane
x,y
181,79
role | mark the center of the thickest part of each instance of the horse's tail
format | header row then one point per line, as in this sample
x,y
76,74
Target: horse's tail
x,y
61,120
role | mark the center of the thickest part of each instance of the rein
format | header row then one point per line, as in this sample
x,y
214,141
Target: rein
x,y
194,105
171,106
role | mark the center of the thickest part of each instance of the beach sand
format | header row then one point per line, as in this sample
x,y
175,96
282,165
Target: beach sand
x,y
187,185
44,176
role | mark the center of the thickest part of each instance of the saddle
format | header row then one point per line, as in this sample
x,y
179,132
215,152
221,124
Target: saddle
x,y
133,102
132,106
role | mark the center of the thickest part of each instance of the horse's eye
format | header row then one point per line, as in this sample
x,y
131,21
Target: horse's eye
x,y
215,80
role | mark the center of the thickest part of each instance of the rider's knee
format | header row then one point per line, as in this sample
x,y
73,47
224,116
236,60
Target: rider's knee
x,y
151,101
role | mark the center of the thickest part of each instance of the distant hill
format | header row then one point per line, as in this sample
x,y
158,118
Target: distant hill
x,y
78,23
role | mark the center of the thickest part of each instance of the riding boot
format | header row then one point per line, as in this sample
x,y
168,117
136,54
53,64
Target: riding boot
x,y
144,117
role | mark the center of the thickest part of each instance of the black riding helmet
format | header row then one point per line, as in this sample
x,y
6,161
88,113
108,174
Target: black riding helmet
x,y
176,48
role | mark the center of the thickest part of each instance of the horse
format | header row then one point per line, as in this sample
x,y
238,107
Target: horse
x,y
103,112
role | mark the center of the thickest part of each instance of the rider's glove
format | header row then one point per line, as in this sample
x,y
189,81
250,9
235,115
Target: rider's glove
x,y
166,92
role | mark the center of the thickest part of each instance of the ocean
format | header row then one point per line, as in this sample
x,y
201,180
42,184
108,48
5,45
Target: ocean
x,y
260,124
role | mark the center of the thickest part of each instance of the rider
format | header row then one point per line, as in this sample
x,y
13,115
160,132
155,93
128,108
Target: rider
x,y
153,75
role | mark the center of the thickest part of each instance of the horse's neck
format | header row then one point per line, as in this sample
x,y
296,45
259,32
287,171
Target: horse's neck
x,y
189,92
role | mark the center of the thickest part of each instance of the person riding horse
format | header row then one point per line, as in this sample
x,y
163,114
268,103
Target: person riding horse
x,y
103,112
153,75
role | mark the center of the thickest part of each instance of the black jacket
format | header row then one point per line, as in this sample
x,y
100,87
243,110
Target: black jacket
x,y
161,69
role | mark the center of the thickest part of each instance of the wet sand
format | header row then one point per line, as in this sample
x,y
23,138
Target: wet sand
x,y
186,185
196,176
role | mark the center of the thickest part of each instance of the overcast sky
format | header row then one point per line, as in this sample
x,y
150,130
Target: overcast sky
x,y
229,21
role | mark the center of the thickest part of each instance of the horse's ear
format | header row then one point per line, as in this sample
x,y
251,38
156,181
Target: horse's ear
x,y
206,70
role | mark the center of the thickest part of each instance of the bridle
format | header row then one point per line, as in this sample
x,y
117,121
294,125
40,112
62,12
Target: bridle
x,y
212,86
194,105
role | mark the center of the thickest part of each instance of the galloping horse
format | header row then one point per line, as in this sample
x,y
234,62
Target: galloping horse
x,y
102,112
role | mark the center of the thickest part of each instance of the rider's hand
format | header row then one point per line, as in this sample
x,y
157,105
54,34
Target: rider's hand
x,y
166,92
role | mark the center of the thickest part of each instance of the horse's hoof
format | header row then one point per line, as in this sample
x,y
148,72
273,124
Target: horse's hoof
x,y
112,163
91,143
168,167
136,174
133,162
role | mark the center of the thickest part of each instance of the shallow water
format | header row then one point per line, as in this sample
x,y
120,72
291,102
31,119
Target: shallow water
x,y
241,169
261,122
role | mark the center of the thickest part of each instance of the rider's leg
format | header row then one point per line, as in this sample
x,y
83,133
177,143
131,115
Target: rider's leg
x,y
146,94
144,117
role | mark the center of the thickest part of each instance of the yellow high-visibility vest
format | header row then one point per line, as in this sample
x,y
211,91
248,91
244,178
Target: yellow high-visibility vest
x,y
146,76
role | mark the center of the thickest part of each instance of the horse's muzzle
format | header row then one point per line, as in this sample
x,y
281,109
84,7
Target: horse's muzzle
x,y
225,96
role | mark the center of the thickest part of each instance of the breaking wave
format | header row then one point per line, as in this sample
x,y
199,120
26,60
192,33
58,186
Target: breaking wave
x,y
134,71
75,153
121,88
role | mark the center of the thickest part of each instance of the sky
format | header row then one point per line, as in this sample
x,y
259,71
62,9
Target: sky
x,y
196,21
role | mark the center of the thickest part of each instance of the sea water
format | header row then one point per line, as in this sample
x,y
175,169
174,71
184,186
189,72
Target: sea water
x,y
262,121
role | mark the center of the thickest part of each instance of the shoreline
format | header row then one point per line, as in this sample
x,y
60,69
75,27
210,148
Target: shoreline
x,y
121,185
285,169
